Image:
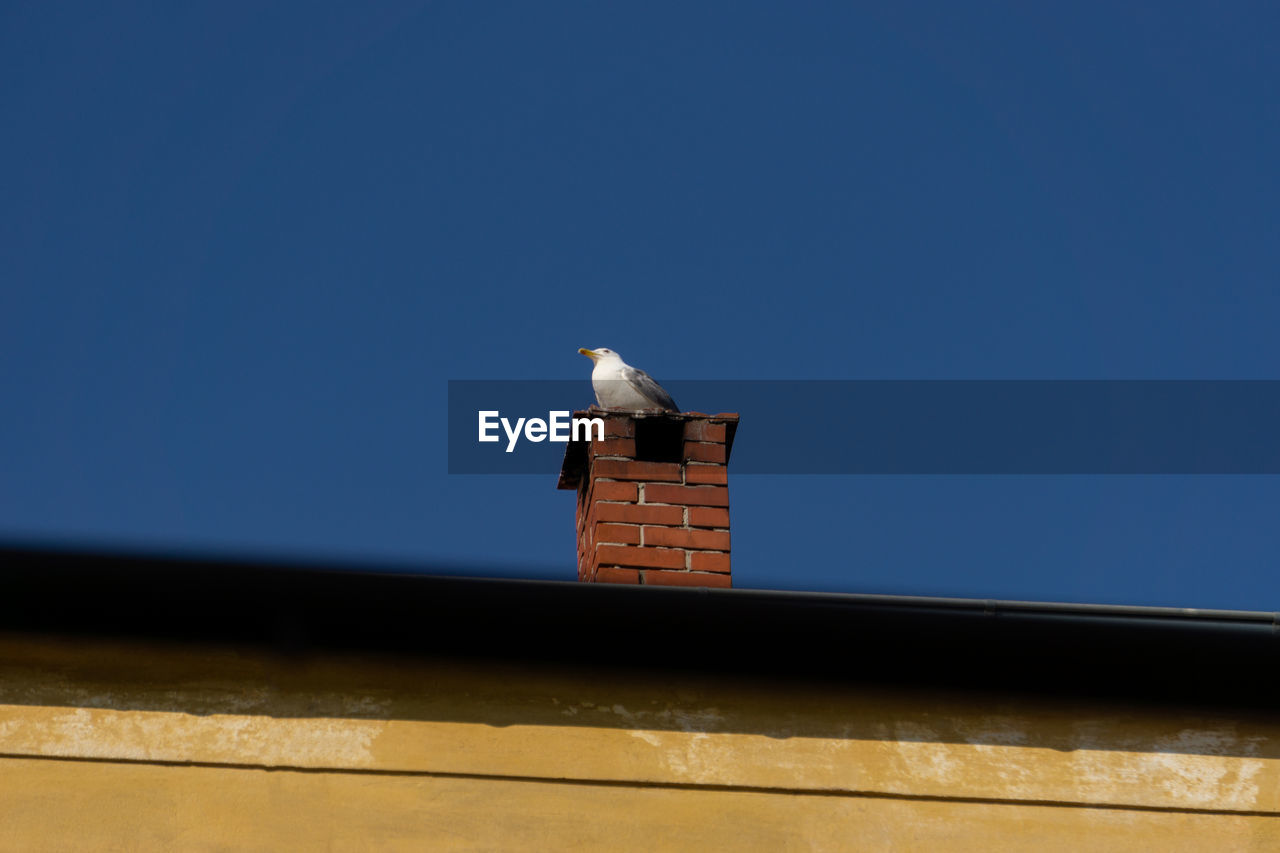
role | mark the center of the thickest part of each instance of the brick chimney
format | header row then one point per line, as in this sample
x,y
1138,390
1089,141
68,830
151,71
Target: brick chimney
x,y
653,498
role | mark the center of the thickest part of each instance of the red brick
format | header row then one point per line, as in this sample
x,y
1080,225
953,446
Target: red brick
x,y
676,537
709,475
619,427
593,512
703,431
708,516
709,561
618,469
607,490
608,574
660,578
614,447
701,451
661,493
626,555
625,534
638,513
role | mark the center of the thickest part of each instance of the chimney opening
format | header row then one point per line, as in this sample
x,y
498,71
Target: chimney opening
x,y
659,440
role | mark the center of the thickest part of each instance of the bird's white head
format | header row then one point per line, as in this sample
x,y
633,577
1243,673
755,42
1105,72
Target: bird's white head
x,y
602,354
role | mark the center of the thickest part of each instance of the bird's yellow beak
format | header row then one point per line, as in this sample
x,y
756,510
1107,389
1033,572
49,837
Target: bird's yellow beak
x,y
591,354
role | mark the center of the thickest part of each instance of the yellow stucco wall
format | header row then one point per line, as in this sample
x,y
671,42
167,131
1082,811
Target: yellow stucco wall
x,y
133,747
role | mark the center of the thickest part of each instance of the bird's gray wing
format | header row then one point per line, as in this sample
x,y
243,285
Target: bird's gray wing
x,y
644,383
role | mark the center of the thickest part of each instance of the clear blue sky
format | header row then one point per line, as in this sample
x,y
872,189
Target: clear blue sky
x,y
243,246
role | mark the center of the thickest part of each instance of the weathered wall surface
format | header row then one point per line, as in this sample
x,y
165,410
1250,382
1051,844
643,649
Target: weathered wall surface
x,y
148,748
68,806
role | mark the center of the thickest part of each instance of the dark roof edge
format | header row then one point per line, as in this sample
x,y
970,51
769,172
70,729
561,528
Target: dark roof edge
x,y
112,559
985,606
1188,656
992,606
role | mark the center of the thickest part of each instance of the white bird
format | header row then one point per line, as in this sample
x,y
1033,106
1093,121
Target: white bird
x,y
618,385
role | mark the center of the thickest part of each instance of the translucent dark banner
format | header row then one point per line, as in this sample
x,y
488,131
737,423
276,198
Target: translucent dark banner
x,y
912,427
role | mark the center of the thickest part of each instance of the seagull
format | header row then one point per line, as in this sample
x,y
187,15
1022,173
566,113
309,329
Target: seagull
x,y
618,385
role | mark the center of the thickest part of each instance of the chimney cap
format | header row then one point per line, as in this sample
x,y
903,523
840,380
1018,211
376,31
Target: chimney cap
x,y
575,452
